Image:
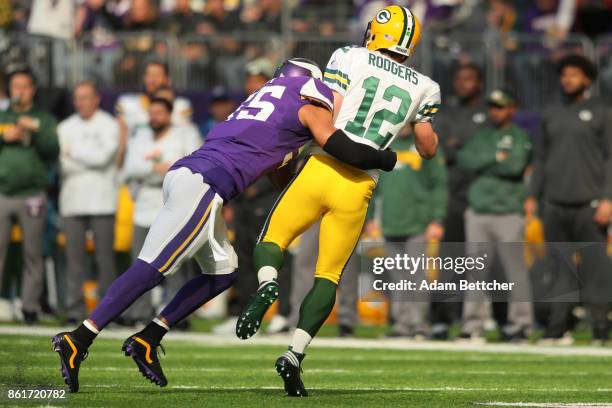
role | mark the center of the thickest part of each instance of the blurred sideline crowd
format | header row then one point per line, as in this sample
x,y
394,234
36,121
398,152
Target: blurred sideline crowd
x,y
80,187
79,17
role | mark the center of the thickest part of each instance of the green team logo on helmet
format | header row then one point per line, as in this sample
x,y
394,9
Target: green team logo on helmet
x,y
383,16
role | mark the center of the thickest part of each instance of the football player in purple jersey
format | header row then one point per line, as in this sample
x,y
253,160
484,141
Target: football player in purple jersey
x,y
266,131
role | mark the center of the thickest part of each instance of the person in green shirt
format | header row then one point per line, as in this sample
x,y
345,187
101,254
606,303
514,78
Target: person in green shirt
x,y
498,157
411,203
28,146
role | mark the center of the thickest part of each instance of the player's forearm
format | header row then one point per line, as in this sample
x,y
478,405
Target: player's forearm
x,y
427,144
425,139
536,183
607,193
122,147
45,140
359,155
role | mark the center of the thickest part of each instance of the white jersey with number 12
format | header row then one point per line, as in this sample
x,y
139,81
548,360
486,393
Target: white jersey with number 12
x,y
380,96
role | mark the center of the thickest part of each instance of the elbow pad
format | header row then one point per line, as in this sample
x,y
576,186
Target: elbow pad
x,y
388,159
359,155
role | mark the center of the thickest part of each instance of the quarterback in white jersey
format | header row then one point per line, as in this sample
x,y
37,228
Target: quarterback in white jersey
x,y
374,97
378,95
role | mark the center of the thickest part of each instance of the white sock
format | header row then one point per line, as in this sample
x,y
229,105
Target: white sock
x,y
266,273
301,340
91,327
160,322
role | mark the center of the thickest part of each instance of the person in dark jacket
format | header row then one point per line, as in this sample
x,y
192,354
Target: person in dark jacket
x,y
456,123
28,146
411,200
572,183
498,157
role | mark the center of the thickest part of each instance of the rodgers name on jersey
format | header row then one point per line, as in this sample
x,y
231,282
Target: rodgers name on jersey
x,y
402,71
380,95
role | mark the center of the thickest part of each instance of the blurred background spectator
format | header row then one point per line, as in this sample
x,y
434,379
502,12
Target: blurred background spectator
x,y
553,18
28,148
498,156
182,20
263,15
52,18
572,187
258,72
89,140
462,114
181,110
218,18
95,26
460,117
221,105
142,15
132,109
413,204
151,150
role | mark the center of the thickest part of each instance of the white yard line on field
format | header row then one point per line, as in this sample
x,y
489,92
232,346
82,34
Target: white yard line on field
x,y
385,344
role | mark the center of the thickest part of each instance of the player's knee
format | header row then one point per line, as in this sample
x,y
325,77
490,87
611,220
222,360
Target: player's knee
x,y
268,254
273,245
333,276
218,267
144,273
273,238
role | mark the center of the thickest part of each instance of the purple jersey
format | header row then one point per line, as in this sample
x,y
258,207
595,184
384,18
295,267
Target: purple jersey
x,y
262,134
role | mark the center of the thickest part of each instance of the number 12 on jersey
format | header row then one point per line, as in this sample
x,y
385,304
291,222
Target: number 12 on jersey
x,y
372,132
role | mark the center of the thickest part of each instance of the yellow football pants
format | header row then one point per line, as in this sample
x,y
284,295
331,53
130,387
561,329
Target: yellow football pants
x,y
329,190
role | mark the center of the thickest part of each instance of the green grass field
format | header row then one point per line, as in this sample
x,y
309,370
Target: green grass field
x,y
237,375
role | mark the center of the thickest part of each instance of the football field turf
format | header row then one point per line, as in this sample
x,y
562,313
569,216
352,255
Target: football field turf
x,y
236,375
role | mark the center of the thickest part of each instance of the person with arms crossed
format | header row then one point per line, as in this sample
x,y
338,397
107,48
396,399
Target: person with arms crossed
x,y
132,108
150,153
498,157
89,140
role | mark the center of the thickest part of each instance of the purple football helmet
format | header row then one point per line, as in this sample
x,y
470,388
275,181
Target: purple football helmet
x,y
299,67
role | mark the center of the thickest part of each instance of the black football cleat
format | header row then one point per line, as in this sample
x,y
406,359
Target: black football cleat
x,y
250,319
72,354
144,355
289,367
